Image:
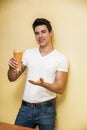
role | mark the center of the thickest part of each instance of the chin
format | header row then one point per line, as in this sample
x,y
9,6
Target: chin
x,y
41,44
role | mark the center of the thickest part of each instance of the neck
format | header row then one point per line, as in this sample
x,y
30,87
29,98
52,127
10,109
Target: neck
x,y
46,50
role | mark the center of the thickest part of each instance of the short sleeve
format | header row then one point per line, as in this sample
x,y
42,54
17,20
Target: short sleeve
x,y
63,65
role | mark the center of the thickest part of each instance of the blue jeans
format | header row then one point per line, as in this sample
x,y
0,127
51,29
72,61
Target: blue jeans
x,y
30,117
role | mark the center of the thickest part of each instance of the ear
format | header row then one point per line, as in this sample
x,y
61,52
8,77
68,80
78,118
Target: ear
x,y
51,34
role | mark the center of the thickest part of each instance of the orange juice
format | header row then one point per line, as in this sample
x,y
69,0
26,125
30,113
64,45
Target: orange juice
x,y
18,57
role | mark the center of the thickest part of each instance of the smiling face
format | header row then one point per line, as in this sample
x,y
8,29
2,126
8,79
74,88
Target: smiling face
x,y
42,35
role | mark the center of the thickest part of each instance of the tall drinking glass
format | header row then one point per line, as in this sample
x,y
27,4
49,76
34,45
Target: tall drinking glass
x,y
18,56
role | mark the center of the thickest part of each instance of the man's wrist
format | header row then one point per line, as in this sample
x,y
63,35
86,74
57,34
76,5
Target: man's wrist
x,y
11,70
14,71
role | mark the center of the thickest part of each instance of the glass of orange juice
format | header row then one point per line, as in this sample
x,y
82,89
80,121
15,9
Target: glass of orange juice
x,y
18,56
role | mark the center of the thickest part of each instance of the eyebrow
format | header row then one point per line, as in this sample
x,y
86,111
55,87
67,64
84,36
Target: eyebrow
x,y
41,31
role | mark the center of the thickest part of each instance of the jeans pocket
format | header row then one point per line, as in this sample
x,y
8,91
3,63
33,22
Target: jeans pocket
x,y
49,110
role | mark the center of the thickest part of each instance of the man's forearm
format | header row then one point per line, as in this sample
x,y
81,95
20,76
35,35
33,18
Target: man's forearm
x,y
13,74
55,87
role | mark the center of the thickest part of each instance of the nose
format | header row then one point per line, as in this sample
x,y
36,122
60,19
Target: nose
x,y
40,34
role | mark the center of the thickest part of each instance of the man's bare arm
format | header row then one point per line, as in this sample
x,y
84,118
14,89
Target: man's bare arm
x,y
58,86
13,74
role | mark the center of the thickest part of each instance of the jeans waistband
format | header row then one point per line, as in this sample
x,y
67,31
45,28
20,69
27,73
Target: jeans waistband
x,y
40,104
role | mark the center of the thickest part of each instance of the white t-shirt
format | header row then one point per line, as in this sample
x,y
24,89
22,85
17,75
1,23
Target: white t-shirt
x,y
45,67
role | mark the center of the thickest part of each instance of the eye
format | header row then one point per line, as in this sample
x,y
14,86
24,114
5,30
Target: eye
x,y
43,31
36,33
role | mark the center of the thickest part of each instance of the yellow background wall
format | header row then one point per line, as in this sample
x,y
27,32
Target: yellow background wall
x,y
69,21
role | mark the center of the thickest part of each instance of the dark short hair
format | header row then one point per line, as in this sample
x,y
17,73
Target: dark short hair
x,y
42,21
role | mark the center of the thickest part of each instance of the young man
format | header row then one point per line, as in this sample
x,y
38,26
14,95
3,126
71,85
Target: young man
x,y
47,71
